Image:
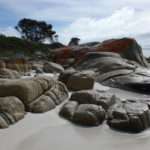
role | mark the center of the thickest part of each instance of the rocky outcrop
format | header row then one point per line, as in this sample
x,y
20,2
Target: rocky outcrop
x,y
50,67
83,114
128,48
76,81
130,116
38,94
112,70
11,111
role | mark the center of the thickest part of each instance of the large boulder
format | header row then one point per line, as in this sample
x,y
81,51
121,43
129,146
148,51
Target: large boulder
x,y
112,70
129,116
103,99
30,91
76,81
83,114
11,111
50,67
127,47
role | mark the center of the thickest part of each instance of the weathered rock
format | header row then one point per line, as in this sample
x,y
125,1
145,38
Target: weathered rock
x,y
83,114
31,92
42,104
81,81
50,67
9,74
11,111
93,97
64,76
68,109
78,80
130,116
89,115
128,48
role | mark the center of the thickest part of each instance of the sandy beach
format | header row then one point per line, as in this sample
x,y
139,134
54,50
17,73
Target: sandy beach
x,y
48,131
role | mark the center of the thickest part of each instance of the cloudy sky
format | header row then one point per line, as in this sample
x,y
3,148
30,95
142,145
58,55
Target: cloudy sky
x,y
91,20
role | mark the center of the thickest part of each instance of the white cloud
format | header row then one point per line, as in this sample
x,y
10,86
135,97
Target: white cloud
x,y
124,22
9,31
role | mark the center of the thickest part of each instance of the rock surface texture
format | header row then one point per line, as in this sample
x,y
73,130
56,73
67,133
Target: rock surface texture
x,y
38,94
76,80
130,116
11,111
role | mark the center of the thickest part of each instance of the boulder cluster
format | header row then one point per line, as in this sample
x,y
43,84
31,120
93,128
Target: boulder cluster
x,y
37,95
92,108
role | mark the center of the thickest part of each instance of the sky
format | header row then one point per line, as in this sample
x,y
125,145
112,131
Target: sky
x,y
90,20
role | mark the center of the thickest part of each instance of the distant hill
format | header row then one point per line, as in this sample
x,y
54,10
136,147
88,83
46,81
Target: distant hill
x,y
13,46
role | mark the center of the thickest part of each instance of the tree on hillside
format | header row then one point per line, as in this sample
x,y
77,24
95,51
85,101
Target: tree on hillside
x,y
34,30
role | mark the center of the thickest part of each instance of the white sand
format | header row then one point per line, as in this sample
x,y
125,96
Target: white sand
x,y
50,132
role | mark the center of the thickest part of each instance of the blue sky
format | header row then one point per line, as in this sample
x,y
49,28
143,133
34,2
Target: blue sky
x,y
94,20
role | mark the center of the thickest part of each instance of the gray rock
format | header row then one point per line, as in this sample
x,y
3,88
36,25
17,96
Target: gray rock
x,y
9,74
89,115
31,92
50,67
129,116
94,97
11,111
83,114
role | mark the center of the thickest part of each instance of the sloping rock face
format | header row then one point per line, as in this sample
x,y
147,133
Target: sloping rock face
x,y
127,47
11,111
130,116
112,70
50,67
39,94
76,81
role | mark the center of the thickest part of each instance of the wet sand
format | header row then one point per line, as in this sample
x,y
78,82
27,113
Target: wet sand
x,y
50,132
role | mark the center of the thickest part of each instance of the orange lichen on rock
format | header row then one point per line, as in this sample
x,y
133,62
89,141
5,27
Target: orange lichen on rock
x,y
117,46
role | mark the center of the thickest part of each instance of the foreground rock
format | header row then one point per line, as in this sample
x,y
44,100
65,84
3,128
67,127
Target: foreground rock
x,y
38,94
93,97
84,114
130,116
76,81
87,107
11,111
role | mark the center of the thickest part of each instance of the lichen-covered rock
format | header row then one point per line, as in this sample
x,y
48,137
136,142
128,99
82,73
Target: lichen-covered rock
x,y
50,67
94,97
31,92
130,116
83,114
11,111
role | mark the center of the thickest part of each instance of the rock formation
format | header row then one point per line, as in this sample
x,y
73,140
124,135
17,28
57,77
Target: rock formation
x,y
76,81
38,94
11,111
